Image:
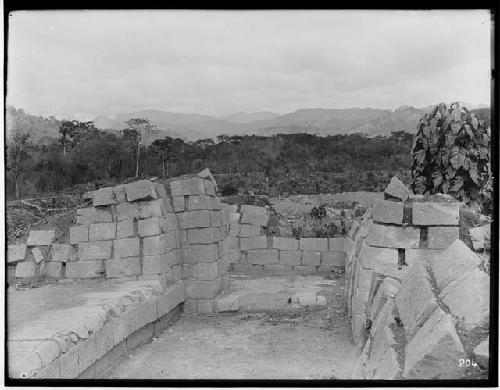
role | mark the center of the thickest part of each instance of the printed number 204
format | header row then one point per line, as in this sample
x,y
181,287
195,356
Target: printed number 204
x,y
466,363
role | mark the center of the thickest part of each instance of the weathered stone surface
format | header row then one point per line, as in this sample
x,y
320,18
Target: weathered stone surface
x,y
386,211
26,269
178,203
84,269
247,243
415,300
386,291
124,229
41,237
102,231
88,215
130,266
200,253
61,252
382,363
393,236
254,215
155,264
337,244
78,234
16,253
150,209
397,189
207,175
156,245
97,250
388,367
262,256
171,222
198,202
290,257
126,247
22,359
285,243
311,258
53,269
370,256
104,197
202,288
150,227
435,351
431,213
482,353
249,230
354,230
424,256
469,299
333,259
203,236
441,237
200,271
305,269
215,219
234,217
453,264
189,186
314,244
194,219
479,235
140,190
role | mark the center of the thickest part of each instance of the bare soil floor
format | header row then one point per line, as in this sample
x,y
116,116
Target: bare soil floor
x,y
300,344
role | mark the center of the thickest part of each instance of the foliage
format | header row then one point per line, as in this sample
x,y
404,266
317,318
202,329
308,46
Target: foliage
x,y
229,190
451,155
318,212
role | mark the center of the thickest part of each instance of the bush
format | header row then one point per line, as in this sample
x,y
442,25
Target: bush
x,y
229,190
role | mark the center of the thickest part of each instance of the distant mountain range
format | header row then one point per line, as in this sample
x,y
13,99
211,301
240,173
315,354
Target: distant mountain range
x,y
191,127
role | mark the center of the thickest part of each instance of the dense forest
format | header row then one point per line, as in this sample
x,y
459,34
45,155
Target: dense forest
x,y
280,164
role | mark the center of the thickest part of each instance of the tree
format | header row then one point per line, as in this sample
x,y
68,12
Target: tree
x,y
72,132
142,129
18,158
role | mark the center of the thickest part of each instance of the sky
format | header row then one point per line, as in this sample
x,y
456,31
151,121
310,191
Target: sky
x,y
84,64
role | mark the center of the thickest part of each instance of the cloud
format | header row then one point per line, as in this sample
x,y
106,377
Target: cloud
x,y
89,63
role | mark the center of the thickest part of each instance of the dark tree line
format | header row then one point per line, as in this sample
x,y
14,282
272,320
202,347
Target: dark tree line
x,y
86,154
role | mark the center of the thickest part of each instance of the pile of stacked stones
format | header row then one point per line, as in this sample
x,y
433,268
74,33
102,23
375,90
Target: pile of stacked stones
x,y
415,293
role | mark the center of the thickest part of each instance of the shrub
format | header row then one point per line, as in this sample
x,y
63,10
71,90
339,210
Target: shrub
x,y
228,190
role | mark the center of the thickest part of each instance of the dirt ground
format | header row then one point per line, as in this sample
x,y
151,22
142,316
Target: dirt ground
x,y
304,344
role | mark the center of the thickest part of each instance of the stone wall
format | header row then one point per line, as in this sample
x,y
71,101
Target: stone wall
x,y
417,296
251,249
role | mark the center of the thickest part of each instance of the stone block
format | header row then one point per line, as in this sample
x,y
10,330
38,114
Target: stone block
x,y
85,269
116,268
203,236
254,215
53,269
305,269
78,234
88,215
179,204
363,279
102,231
27,269
155,245
97,250
233,256
415,299
194,219
262,256
285,243
126,247
140,190
248,243
453,264
200,253
290,257
435,351
215,219
370,256
61,252
103,197
151,209
87,352
337,244
119,193
469,299
234,230
234,217
430,213
354,230
333,259
249,230
441,237
311,258
482,353
155,264
393,236
214,203
16,253
150,227
69,364
171,222
201,271
124,229
202,288
480,236
386,291
41,237
198,202
397,189
382,351
189,186
386,211
349,246
314,244
38,254
209,187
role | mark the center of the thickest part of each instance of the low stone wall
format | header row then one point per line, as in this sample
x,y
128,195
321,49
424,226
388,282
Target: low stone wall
x,y
250,249
417,296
